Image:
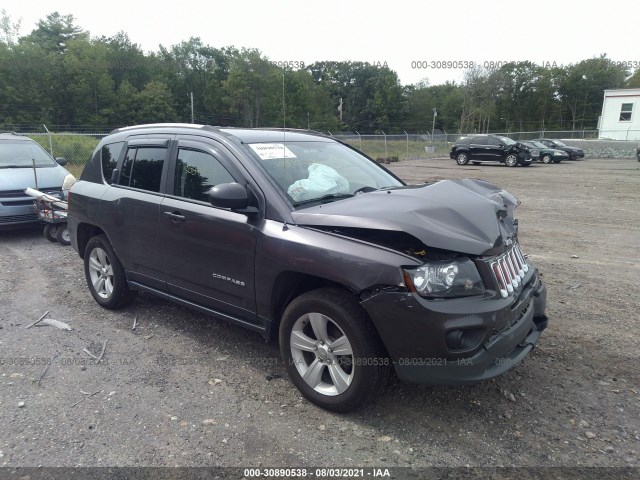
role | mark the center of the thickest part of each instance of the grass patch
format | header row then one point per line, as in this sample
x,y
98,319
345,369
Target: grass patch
x,y
398,148
76,149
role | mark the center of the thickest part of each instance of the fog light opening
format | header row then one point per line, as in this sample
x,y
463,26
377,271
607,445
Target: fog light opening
x,y
464,339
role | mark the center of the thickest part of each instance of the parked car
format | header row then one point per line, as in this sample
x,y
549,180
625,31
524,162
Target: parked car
x,y
573,152
547,154
491,148
303,239
18,155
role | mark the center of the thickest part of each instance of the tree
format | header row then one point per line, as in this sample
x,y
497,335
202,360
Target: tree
x,y
581,88
55,32
634,80
9,30
372,95
156,104
253,90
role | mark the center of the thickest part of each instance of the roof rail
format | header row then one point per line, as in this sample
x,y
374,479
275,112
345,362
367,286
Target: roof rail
x,y
161,125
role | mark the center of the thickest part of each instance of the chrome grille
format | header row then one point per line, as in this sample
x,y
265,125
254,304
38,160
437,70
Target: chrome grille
x,y
509,270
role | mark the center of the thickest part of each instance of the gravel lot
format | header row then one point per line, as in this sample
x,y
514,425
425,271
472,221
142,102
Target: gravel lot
x,y
184,389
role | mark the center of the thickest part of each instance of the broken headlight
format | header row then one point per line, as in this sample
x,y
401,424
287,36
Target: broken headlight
x,y
445,279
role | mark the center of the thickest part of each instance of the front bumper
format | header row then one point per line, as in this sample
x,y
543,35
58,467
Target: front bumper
x,y
17,215
414,331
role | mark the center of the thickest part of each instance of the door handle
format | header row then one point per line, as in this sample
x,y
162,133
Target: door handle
x,y
175,216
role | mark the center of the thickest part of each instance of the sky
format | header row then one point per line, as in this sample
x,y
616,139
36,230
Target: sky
x,y
417,39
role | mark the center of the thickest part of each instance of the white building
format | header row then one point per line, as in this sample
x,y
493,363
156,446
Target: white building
x,y
620,119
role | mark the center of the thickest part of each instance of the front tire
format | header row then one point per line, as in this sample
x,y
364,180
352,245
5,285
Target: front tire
x,y
331,350
462,158
511,160
105,274
546,158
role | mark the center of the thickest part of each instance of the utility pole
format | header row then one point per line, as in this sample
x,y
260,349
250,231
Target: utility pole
x,y
192,119
433,125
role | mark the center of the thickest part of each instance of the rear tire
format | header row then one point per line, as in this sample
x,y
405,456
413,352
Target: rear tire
x,y
462,158
105,274
49,232
331,350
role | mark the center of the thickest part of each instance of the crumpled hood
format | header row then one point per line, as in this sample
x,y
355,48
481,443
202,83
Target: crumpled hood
x,y
466,216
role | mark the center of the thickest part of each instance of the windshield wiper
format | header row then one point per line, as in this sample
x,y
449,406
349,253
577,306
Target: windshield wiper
x,y
16,166
329,197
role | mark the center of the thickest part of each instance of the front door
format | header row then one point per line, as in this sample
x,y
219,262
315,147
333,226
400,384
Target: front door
x,y
209,252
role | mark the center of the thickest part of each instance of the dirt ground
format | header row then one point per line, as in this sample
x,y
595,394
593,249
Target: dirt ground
x,y
185,389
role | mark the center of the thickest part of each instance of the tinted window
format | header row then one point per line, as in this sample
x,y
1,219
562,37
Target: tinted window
x,y
464,141
110,155
480,141
196,173
492,141
142,168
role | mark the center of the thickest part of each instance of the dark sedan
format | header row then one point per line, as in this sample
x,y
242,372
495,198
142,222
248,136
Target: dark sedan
x,y
574,152
547,154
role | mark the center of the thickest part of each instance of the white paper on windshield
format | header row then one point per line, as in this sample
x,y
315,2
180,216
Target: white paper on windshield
x,y
268,151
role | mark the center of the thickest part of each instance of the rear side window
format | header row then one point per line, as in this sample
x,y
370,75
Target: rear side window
x,y
110,155
196,173
142,168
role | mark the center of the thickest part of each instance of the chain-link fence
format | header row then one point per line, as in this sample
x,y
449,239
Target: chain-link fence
x,y
77,148
390,148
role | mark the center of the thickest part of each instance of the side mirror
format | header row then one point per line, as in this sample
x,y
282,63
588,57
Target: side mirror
x,y
231,195
61,161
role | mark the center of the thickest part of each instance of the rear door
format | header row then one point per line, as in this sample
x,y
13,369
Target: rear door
x,y
208,253
131,208
479,149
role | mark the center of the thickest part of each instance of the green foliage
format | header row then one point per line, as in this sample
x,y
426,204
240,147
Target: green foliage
x,y
76,149
60,76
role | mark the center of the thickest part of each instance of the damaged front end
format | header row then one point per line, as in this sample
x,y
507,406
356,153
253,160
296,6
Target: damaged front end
x,y
473,306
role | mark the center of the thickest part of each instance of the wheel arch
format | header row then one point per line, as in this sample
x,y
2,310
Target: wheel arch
x,y
289,285
84,233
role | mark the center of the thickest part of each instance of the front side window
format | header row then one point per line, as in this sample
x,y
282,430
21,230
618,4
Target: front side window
x,y
196,172
507,141
625,112
142,168
311,171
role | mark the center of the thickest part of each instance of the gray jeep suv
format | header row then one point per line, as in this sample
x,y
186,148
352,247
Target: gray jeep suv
x,y
306,240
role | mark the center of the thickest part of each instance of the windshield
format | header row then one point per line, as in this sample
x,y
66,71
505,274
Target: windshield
x,y
559,143
539,145
507,140
22,154
317,171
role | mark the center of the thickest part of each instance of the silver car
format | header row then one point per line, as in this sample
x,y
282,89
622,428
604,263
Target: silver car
x,y
24,163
